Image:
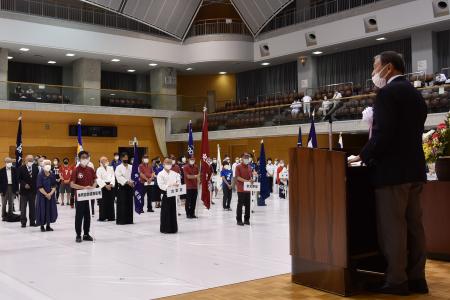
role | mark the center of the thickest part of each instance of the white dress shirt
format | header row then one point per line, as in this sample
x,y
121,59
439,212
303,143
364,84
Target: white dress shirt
x,y
167,179
123,174
9,175
104,175
306,99
270,168
392,78
233,168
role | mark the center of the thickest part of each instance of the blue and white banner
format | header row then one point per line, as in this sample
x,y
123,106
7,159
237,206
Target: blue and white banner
x,y
138,186
190,148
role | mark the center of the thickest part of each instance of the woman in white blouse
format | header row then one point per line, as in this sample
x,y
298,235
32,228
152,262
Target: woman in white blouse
x,y
125,192
166,179
106,180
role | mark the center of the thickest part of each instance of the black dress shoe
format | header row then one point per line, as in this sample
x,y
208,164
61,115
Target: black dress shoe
x,y
24,225
87,237
42,228
194,217
392,289
78,239
48,228
101,220
33,225
151,210
240,223
247,222
418,286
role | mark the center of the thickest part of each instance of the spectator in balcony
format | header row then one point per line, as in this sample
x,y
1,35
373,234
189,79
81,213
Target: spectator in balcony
x,y
295,108
19,90
440,78
30,91
326,104
337,95
306,105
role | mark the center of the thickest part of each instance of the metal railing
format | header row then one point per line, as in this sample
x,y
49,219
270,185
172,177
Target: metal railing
x,y
218,26
81,14
296,16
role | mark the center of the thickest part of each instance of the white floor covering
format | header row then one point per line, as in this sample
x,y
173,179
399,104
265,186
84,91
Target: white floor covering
x,y
137,261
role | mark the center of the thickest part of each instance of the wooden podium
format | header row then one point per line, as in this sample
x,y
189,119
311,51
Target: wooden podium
x,y
333,240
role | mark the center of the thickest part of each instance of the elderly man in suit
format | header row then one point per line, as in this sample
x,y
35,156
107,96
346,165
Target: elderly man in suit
x,y
27,176
394,154
8,187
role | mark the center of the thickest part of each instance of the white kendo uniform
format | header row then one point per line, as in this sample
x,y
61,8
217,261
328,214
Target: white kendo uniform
x,y
306,104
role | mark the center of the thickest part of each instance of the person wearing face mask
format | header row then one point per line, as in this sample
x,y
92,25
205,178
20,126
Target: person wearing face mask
x,y
227,176
281,182
243,174
56,172
65,172
175,167
168,178
192,176
27,176
41,163
46,209
116,161
83,177
125,192
106,180
397,167
157,167
146,176
270,168
9,187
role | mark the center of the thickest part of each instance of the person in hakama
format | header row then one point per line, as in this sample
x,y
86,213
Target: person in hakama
x,y
125,192
106,180
168,178
46,211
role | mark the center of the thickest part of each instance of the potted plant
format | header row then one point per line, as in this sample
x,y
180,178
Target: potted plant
x,y
436,146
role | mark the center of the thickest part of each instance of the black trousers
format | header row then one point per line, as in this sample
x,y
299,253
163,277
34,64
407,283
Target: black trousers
x,y
125,205
72,197
191,200
168,223
28,198
243,200
270,179
106,205
227,192
148,190
82,216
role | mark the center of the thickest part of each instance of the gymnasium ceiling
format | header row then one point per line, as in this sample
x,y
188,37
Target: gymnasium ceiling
x,y
174,17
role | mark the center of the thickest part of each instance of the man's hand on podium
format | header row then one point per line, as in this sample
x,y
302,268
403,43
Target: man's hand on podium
x,y
353,159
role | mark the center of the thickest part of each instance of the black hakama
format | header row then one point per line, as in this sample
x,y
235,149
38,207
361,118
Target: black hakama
x,y
106,205
168,215
125,205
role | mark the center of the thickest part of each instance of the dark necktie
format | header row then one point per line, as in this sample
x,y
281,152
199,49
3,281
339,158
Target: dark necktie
x,y
30,171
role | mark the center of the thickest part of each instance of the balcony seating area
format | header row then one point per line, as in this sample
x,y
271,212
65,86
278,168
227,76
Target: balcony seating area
x,y
123,102
41,96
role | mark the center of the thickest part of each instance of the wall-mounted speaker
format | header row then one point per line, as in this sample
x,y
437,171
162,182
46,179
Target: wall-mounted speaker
x,y
264,50
311,38
370,24
440,8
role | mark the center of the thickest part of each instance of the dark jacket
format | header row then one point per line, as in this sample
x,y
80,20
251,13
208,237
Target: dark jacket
x,y
4,180
24,178
394,151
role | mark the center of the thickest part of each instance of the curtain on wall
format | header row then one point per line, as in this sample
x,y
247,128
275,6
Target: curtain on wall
x,y
443,50
269,80
34,73
118,81
160,132
356,65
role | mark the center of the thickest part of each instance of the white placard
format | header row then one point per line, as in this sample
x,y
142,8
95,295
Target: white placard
x,y
441,90
252,187
89,194
176,190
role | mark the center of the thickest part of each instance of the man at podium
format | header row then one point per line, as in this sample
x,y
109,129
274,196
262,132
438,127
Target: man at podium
x,y
396,160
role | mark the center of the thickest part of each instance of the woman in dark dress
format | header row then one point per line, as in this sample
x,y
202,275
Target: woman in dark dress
x,y
168,178
46,210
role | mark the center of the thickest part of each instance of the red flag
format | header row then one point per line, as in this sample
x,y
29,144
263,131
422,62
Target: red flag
x,y
205,175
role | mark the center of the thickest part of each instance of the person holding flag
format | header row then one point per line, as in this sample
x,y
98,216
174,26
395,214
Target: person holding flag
x,y
138,186
125,193
205,168
190,148
264,192
146,177
191,177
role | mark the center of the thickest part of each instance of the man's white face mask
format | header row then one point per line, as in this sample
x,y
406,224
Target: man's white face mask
x,y
377,80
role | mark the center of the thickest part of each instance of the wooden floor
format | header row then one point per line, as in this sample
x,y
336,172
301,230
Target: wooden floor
x,y
280,287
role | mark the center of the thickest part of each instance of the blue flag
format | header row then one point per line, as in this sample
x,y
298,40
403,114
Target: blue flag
x,y
264,192
312,138
190,148
19,143
299,140
138,186
79,140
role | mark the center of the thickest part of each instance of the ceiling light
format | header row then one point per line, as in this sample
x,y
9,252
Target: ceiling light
x,y
24,49
265,64
115,60
10,57
152,65
131,71
52,62
189,69
70,54
222,73
317,52
381,39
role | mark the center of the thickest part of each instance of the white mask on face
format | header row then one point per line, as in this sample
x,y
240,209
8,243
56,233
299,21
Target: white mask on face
x,y
227,167
167,167
84,162
191,162
237,161
9,165
214,161
246,161
183,159
173,162
269,162
145,160
30,164
116,157
281,164
47,168
377,80
55,162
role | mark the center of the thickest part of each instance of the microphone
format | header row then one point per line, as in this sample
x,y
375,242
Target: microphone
x,y
336,106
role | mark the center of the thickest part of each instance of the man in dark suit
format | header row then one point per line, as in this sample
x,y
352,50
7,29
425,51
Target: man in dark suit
x,y
8,187
27,176
395,155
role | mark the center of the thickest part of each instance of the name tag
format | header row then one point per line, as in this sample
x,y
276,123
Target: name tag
x,y
176,190
252,187
85,195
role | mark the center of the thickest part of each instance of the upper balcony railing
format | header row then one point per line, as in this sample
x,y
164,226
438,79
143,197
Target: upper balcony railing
x,y
296,16
81,14
218,26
